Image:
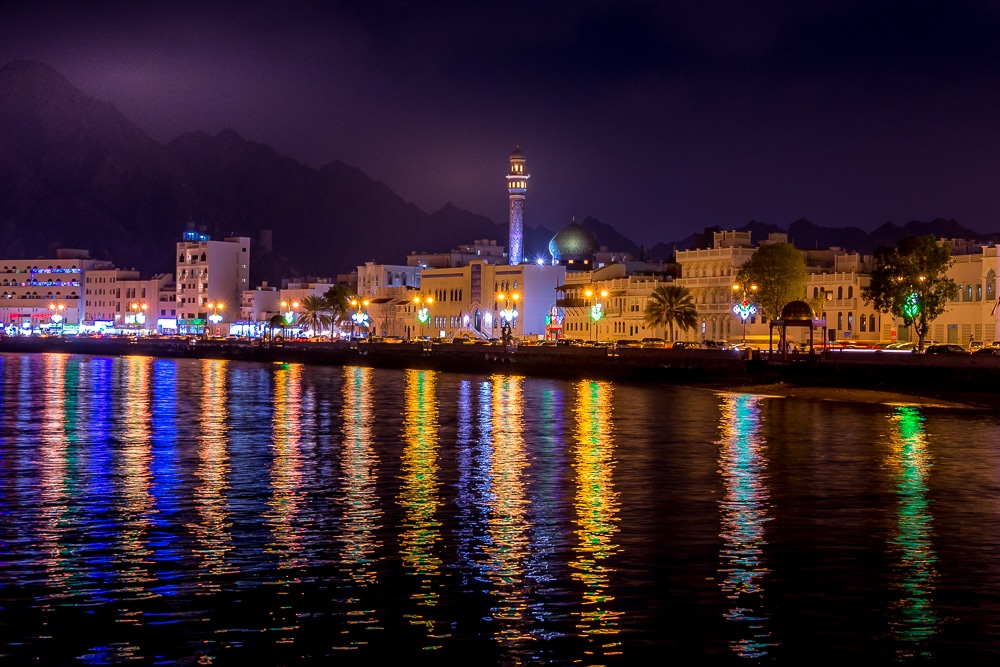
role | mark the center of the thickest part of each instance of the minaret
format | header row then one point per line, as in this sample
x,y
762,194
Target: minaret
x,y
517,185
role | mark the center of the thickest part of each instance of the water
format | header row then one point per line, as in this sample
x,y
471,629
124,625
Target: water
x,y
205,512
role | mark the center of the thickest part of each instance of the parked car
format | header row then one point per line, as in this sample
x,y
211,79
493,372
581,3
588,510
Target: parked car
x,y
991,351
945,348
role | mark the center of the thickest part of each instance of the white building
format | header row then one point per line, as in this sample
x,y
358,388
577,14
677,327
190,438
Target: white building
x,y
211,278
117,300
38,295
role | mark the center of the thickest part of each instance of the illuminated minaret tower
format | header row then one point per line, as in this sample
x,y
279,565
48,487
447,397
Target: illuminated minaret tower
x,y
517,185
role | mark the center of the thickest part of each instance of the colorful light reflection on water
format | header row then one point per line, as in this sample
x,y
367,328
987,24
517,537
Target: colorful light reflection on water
x,y
214,512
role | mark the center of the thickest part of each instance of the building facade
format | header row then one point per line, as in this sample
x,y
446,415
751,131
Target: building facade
x,y
211,277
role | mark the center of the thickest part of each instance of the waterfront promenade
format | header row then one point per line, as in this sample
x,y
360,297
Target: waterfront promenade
x,y
963,378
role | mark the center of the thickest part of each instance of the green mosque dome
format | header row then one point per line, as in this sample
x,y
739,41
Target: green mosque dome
x,y
573,242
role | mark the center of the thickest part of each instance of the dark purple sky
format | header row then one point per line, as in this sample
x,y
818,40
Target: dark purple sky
x,y
658,118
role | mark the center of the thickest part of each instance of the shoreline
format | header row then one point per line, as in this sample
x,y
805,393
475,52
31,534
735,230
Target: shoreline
x,y
930,380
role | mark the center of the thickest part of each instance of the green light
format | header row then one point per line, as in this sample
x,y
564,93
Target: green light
x,y
911,307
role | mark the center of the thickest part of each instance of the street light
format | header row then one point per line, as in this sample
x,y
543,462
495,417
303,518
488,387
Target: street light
x,y
508,315
57,315
596,310
360,317
423,302
744,307
138,314
288,310
216,316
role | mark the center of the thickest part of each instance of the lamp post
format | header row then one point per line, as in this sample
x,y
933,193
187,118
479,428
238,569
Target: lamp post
x,y
913,305
216,316
138,315
423,314
288,309
744,307
57,315
359,317
508,314
596,310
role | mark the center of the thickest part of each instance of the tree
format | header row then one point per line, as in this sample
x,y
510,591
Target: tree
x,y
779,272
669,306
910,282
338,302
315,313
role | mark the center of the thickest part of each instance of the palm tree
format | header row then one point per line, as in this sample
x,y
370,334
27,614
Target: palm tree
x,y
314,313
338,303
671,305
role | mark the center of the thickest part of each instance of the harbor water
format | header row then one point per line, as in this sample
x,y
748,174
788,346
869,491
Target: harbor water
x,y
211,512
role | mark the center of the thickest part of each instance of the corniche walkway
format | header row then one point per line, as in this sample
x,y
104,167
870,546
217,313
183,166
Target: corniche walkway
x,y
937,379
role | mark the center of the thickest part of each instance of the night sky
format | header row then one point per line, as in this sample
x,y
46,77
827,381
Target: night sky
x,y
658,118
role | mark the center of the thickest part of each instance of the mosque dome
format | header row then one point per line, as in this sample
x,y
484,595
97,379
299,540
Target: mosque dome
x,y
517,154
573,242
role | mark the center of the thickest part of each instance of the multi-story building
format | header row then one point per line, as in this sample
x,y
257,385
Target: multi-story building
x,y
709,274
211,278
44,294
117,300
609,303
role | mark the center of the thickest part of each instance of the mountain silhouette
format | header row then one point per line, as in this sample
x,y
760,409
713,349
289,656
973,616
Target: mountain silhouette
x,y
76,173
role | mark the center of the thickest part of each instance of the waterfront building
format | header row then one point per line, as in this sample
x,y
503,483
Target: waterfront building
x,y
211,278
40,295
608,304
709,274
517,187
118,301
973,315
373,278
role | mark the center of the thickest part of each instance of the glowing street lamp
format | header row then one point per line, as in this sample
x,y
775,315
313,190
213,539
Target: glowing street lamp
x,y
744,308
289,314
423,314
57,315
216,316
596,309
360,317
137,315
508,315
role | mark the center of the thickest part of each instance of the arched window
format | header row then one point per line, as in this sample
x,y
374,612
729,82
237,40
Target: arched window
x,y
840,293
871,322
850,321
815,292
863,324
850,291
840,321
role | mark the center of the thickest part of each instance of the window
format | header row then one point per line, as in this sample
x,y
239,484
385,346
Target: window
x,y
850,321
863,324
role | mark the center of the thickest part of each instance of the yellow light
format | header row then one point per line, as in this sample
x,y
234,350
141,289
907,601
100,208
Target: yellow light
x,y
604,293
589,293
416,299
430,299
500,296
516,296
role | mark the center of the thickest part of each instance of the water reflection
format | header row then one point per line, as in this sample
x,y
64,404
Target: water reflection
x,y
742,464
507,545
361,512
419,496
54,490
597,507
214,528
135,476
286,500
913,619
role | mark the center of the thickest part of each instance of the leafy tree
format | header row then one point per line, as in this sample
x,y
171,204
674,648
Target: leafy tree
x,y
315,313
670,306
910,282
779,272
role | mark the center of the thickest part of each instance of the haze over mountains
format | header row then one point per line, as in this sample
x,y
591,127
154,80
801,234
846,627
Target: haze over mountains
x,y
75,173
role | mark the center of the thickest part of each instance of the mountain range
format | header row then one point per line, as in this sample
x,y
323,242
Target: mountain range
x,y
76,173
